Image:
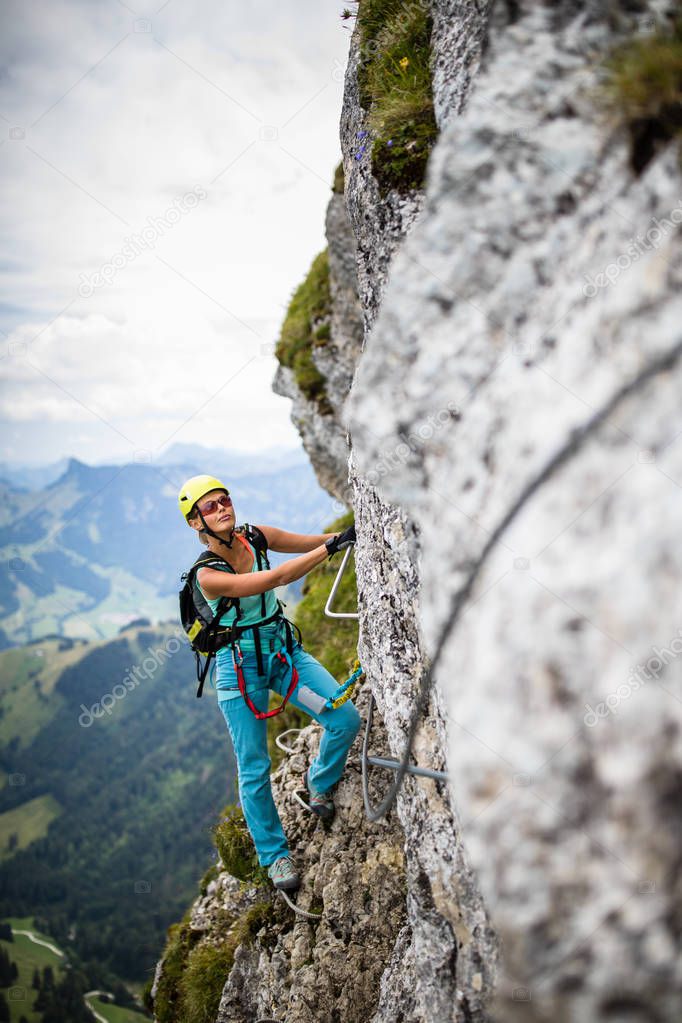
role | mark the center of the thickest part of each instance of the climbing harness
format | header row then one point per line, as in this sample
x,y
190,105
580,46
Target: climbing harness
x,y
237,660
207,634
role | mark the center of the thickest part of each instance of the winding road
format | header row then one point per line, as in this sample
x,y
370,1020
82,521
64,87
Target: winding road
x,y
39,941
57,951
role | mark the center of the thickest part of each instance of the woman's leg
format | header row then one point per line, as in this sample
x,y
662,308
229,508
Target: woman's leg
x,y
340,725
249,738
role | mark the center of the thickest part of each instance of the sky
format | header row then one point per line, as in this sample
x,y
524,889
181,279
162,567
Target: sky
x,y
165,170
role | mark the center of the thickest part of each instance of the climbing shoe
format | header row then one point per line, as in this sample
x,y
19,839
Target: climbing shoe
x,y
320,803
283,875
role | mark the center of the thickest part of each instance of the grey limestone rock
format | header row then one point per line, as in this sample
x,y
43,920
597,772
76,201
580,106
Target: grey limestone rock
x,y
323,435
515,400
353,873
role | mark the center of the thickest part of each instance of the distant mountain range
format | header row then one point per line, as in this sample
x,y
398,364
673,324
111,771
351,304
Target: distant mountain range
x,y
100,545
35,477
31,477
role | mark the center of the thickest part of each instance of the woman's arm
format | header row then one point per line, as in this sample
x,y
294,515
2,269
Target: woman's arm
x,y
215,583
292,543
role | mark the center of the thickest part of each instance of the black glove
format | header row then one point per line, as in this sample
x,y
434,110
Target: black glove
x,y
341,540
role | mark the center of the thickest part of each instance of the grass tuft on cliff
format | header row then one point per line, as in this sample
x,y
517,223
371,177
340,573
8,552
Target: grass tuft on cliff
x,y
206,970
235,845
194,971
339,181
307,324
643,90
166,1006
394,77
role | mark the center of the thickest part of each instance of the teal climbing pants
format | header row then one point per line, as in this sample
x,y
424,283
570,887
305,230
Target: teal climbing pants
x,y
249,738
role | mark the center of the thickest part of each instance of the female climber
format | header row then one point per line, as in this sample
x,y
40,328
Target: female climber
x,y
267,658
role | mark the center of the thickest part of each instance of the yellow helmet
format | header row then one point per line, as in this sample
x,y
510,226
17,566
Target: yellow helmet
x,y
194,489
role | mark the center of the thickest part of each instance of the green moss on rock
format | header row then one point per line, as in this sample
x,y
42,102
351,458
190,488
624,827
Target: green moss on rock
x,y
307,324
339,182
207,968
322,334
195,972
394,78
235,845
181,939
643,90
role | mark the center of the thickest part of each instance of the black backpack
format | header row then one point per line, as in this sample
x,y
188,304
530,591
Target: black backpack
x,y
205,634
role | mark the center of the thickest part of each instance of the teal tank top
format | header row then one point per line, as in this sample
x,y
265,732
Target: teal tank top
x,y
272,636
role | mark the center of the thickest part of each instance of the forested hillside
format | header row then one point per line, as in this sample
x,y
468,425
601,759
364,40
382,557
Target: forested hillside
x,y
116,790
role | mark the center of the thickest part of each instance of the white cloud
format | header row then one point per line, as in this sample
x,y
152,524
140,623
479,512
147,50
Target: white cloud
x,y
143,355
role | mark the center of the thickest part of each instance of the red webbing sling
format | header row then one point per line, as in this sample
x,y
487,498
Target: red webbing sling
x,y
242,685
280,656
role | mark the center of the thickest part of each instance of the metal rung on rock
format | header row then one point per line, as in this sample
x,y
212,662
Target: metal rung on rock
x,y
327,607
393,765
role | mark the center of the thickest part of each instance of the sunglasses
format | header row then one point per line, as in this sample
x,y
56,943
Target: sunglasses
x,y
224,501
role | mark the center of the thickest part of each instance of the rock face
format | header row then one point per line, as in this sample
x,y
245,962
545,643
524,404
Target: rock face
x,y
516,475
337,359
521,410
355,876
352,872
323,435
